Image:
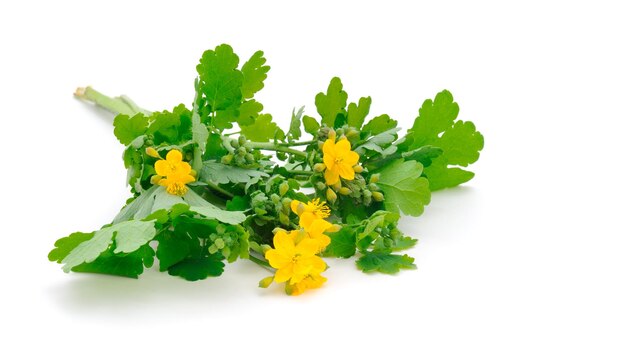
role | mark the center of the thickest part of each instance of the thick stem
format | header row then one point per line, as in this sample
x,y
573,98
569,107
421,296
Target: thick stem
x,y
300,172
278,148
293,144
117,105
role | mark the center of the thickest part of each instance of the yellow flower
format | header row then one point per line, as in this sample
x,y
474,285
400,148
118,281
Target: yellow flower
x,y
339,160
311,281
294,262
310,211
315,231
174,173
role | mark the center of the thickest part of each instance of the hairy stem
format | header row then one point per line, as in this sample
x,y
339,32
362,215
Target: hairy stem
x,y
117,105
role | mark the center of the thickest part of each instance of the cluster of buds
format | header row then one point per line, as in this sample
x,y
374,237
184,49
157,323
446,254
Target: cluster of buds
x,y
228,240
240,152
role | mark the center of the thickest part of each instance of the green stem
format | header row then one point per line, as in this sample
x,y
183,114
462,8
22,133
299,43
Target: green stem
x,y
293,144
117,105
260,262
219,189
278,148
300,172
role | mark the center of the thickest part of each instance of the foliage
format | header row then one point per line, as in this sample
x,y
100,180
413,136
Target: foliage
x,y
219,180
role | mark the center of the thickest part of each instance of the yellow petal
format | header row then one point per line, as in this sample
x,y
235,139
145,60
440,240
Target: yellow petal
x,y
283,274
294,205
277,259
329,160
162,168
331,176
329,147
346,172
351,158
307,247
306,219
343,146
174,156
284,243
318,265
318,227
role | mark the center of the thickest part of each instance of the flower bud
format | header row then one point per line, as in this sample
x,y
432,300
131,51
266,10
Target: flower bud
x,y
227,159
193,173
153,153
379,197
242,151
241,140
283,188
265,283
357,168
375,178
275,198
320,185
332,134
352,133
334,228
155,179
234,143
250,158
336,186
373,187
284,219
319,167
345,191
331,196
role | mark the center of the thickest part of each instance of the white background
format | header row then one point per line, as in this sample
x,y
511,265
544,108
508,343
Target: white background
x,y
529,256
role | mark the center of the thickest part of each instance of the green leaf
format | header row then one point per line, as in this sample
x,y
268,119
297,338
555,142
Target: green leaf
x,y
212,212
127,265
238,203
379,124
294,127
219,173
248,112
65,245
128,128
403,187
384,263
254,73
342,243
134,235
89,250
311,125
262,130
460,142
173,248
171,128
423,155
193,269
220,80
379,141
357,113
332,103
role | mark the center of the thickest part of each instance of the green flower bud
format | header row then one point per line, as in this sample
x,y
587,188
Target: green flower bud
x,y
234,143
320,185
332,134
242,140
319,167
379,197
283,188
345,191
357,168
331,196
250,158
284,219
265,283
373,187
242,151
375,178
227,159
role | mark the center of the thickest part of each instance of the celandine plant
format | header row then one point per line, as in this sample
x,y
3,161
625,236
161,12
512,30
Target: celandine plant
x,y
221,181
